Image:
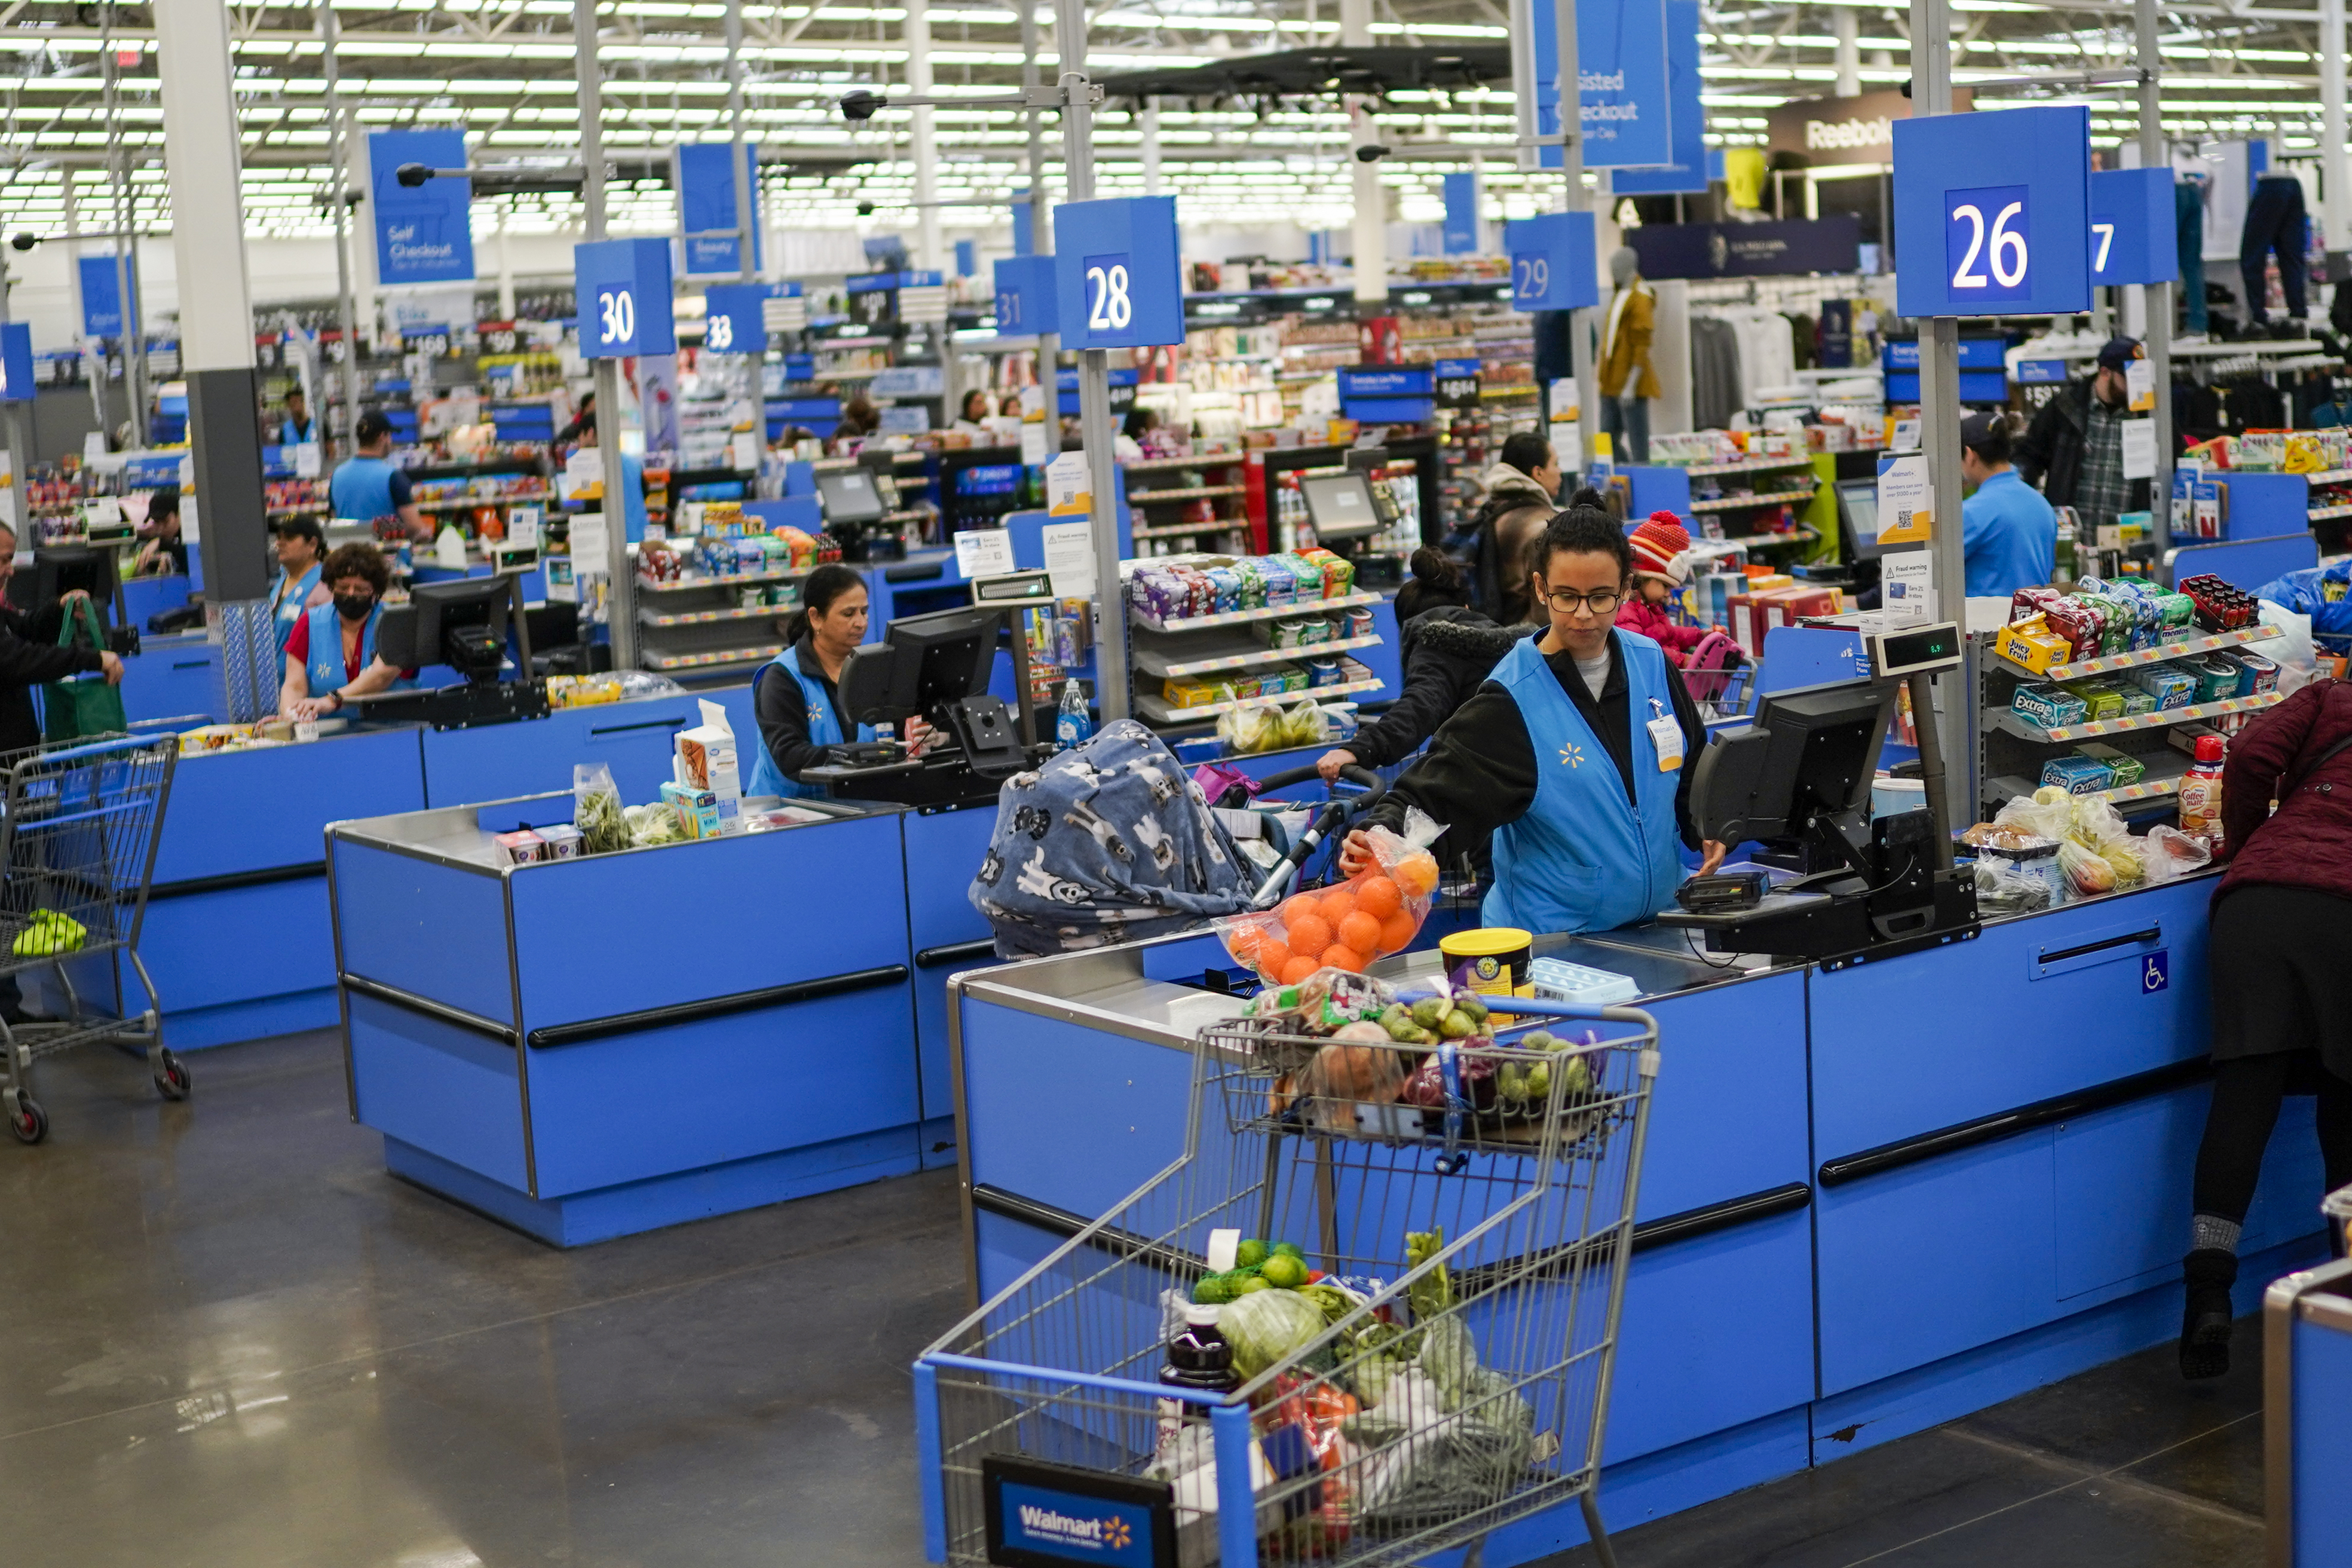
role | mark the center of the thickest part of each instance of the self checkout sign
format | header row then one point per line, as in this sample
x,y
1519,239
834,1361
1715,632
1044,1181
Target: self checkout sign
x,y
1969,242
2133,227
1118,283
1024,295
624,291
1552,262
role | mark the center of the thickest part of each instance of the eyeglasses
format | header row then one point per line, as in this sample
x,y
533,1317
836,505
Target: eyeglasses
x,y
1601,600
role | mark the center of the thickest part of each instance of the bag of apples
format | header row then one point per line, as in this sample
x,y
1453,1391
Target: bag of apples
x,y
1349,924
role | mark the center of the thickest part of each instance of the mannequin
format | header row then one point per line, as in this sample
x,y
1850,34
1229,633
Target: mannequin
x,y
1627,381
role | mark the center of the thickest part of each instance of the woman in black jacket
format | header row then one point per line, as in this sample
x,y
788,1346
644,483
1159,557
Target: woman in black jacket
x,y
1447,649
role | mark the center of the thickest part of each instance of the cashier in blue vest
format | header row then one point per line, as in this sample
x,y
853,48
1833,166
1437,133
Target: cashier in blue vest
x,y
301,584
330,655
369,485
2009,534
796,696
1577,754
300,426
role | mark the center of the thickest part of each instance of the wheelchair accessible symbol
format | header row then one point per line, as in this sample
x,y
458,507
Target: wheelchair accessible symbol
x,y
2155,973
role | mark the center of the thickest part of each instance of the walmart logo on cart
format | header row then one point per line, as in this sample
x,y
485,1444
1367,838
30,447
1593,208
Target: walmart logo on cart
x,y
1109,1533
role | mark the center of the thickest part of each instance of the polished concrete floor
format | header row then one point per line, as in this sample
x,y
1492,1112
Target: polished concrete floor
x,y
228,1338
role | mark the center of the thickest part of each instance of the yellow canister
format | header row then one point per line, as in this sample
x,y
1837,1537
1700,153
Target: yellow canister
x,y
1492,960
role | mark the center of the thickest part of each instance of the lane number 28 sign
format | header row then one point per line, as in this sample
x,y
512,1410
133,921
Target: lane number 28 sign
x,y
1110,306
1985,242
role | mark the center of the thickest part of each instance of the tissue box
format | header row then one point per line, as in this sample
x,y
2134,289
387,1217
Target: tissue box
x,y
697,809
705,760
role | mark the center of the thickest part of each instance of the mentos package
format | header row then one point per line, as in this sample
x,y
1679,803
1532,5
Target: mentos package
x,y
1227,584
1253,583
2048,705
2123,768
2082,621
1281,582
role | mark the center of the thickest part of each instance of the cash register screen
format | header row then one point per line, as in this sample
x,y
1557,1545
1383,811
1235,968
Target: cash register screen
x,y
1859,498
1339,504
849,496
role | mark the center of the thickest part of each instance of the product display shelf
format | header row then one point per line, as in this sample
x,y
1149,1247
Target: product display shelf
x,y
2105,662
2162,781
1244,617
1233,516
1193,460
1179,661
1736,503
647,617
1743,465
688,585
460,503
1192,530
2322,513
1157,710
758,653
1191,492
2009,721
2326,476
1764,541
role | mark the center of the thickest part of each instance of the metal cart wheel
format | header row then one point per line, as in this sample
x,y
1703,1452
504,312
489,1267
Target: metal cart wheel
x,y
171,1080
30,1123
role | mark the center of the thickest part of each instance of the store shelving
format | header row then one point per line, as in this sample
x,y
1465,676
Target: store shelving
x,y
1748,466
1158,711
648,616
758,654
1244,617
2180,650
690,584
2161,782
1209,659
2009,721
1736,503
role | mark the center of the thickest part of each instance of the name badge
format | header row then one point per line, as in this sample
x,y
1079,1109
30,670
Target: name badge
x,y
1666,739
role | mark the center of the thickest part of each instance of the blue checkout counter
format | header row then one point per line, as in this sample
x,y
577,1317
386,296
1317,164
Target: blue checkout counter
x,y
1875,1197
578,1076
2308,1414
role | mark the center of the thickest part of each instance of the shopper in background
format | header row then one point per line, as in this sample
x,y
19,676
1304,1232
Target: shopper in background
x,y
2074,450
30,656
1660,549
973,418
1577,756
2280,965
1447,650
859,418
1518,502
581,431
297,428
301,584
163,552
796,695
330,655
2009,533
1130,441
369,485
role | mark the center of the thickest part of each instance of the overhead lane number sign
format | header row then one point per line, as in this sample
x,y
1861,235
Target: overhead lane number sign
x,y
1118,283
624,290
1969,241
1024,295
1552,266
2133,234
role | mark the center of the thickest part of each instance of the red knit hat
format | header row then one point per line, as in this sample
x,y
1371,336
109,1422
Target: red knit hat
x,y
1660,549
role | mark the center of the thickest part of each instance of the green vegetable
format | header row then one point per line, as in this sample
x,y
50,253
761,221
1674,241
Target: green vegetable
x,y
1429,1010
1283,1272
1466,1001
1214,1290
1250,1254
1432,1294
1268,1327
1511,1082
1249,1284
1291,1249
1577,1075
1541,1040
1539,1084
1333,1302
1457,1024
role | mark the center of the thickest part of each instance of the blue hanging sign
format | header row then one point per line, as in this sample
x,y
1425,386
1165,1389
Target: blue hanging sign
x,y
734,318
1622,83
1024,232
705,179
2132,228
423,234
1552,264
1687,117
1118,281
967,258
623,288
17,382
1992,212
101,295
1024,295
1461,213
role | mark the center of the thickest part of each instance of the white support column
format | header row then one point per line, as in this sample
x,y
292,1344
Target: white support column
x,y
93,354
1848,23
1948,753
339,146
1574,200
746,218
2334,169
1370,229
1041,223
1149,123
2157,297
506,270
620,593
201,154
931,251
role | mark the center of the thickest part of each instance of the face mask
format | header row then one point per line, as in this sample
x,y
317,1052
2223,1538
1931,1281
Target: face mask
x,y
354,606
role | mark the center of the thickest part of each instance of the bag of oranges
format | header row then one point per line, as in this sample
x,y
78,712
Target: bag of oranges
x,y
1348,925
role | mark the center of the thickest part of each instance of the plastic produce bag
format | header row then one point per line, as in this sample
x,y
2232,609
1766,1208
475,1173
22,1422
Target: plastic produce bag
x,y
2291,650
1249,729
1305,724
1382,909
2087,871
596,809
2171,854
2047,813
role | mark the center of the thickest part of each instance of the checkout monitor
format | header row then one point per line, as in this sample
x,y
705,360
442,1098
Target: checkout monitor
x,y
1858,513
1340,505
462,623
1811,753
921,662
849,496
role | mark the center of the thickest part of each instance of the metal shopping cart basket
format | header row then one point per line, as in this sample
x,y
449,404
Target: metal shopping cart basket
x,y
78,828
1454,1379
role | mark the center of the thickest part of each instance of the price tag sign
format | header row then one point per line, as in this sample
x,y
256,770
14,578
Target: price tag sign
x,y
2133,233
1552,264
1024,295
2139,387
1967,246
1457,383
734,319
1906,507
983,553
623,288
305,459
1118,280
2140,448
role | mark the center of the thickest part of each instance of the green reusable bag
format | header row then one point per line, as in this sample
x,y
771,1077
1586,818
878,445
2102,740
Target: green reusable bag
x,y
78,709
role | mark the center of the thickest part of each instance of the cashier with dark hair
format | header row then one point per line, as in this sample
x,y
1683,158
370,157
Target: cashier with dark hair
x,y
301,584
1577,755
2009,534
796,695
330,656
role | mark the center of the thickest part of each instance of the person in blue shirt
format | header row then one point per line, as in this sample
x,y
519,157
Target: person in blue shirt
x,y
370,486
301,584
2009,534
300,427
330,656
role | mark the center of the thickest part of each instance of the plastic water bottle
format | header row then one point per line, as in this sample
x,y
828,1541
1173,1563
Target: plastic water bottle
x,y
1074,725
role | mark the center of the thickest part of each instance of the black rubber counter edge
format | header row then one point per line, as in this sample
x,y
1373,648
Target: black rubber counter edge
x,y
188,888
587,1029
1664,1231
2009,1123
956,952
1064,1224
409,1002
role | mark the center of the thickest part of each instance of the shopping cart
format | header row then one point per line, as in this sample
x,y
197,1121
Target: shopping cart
x,y
78,827
1460,1382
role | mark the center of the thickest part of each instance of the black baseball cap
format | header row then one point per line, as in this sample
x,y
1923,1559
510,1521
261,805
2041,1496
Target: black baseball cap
x,y
2119,352
1978,428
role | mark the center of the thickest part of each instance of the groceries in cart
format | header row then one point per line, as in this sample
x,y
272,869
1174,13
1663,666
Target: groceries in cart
x,y
1372,915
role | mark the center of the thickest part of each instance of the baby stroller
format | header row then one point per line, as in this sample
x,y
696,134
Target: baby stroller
x,y
1111,841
